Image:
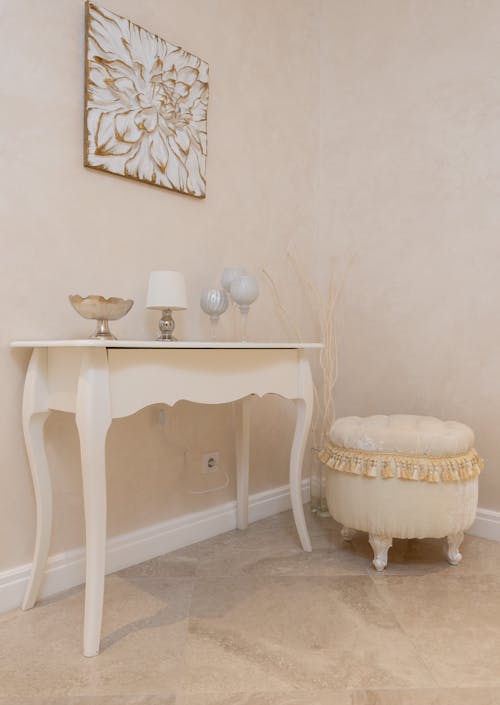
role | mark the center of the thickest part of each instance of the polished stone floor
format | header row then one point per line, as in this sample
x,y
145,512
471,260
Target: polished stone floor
x,y
247,618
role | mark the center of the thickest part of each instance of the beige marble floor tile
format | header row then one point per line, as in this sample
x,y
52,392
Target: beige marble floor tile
x,y
91,700
177,564
423,556
454,622
276,535
279,527
479,556
271,561
286,633
260,553
285,519
256,536
277,530
271,625
322,525
410,557
318,697
7,617
143,636
428,696
276,539
184,562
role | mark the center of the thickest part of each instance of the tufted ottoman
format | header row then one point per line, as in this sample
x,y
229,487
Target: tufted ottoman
x,y
402,476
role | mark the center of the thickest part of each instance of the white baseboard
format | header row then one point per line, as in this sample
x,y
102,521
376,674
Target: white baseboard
x,y
487,525
66,570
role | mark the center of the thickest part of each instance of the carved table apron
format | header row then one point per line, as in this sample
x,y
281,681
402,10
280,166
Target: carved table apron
x,y
102,380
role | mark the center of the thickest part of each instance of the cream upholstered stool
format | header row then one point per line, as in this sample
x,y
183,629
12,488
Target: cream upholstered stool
x,y
402,476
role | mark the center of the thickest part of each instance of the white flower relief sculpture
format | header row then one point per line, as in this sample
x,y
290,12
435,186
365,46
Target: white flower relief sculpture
x,y
146,105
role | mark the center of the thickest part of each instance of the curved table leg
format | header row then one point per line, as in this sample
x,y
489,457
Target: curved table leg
x,y
35,413
242,461
93,418
304,407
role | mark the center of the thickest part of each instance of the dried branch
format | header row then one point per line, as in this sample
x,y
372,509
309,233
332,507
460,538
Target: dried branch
x,y
286,318
323,312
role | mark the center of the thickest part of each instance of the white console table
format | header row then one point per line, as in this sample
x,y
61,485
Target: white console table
x,y
103,380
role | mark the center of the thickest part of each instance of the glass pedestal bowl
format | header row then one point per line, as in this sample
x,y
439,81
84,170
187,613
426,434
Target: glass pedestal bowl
x,y
102,310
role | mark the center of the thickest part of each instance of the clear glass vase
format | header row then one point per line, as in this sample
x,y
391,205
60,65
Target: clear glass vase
x,y
318,486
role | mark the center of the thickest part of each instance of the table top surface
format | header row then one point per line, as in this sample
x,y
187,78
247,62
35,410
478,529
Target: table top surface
x,y
158,344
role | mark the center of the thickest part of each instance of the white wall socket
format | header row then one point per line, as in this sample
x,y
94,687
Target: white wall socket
x,y
210,462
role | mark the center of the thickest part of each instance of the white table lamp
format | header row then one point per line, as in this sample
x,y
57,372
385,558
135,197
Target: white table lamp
x,y
167,293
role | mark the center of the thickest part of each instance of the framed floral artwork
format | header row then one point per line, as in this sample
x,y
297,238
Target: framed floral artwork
x,y
146,105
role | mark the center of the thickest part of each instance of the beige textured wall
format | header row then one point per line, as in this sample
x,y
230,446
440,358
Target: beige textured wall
x,y
410,182
65,229
408,128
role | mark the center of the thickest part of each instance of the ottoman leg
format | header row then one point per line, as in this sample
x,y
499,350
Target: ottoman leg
x,y
380,546
454,541
347,534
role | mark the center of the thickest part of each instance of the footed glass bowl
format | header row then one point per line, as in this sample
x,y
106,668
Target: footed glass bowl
x,y
101,310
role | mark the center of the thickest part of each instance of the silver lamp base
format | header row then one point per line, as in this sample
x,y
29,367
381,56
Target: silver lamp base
x,y
167,327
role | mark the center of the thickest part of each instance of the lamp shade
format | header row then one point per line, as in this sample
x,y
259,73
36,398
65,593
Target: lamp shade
x,y
166,289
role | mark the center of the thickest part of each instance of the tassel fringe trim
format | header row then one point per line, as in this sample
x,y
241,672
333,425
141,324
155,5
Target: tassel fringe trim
x,y
421,468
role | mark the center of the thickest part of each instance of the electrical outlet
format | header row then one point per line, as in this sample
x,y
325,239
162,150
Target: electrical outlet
x,y
210,462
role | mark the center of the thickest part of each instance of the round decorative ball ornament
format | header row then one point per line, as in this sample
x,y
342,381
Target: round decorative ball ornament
x,y
214,303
